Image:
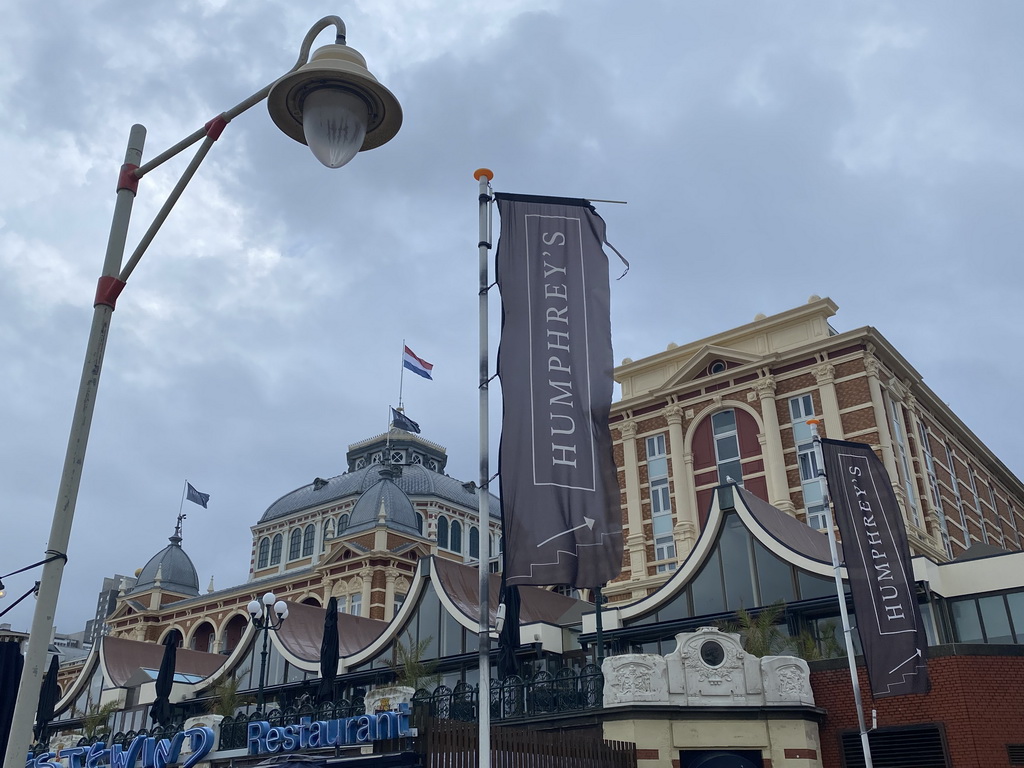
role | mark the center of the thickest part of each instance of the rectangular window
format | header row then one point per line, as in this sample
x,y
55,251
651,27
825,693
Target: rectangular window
x,y
951,463
801,409
995,515
1012,513
661,503
356,604
977,505
727,447
903,461
933,485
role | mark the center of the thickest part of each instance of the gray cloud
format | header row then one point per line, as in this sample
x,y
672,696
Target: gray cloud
x,y
767,152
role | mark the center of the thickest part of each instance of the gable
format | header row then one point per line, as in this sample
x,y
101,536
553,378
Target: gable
x,y
711,360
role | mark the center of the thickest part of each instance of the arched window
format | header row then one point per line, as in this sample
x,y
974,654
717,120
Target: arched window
x,y
442,532
264,556
342,524
295,544
474,542
275,550
174,636
328,533
308,540
456,537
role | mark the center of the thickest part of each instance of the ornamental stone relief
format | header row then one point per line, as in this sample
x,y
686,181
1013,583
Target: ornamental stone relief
x,y
708,668
635,677
765,387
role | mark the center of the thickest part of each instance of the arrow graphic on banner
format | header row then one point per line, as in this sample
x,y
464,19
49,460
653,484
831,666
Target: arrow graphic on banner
x,y
588,522
915,656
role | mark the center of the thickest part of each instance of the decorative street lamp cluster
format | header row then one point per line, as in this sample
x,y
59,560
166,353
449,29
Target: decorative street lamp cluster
x,y
330,102
267,615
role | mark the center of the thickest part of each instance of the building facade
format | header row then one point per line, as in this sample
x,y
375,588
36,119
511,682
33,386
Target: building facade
x,y
735,406
357,537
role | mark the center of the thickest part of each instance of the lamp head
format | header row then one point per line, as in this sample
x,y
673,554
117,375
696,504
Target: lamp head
x,y
254,608
3,591
335,106
269,599
281,609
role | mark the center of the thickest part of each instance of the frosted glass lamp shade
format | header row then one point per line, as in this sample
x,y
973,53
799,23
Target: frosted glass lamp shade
x,y
334,125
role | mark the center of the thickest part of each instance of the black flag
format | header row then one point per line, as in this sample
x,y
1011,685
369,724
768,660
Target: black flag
x,y
196,497
879,569
559,492
400,420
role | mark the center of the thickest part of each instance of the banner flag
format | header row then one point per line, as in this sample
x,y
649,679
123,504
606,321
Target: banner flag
x,y
878,565
195,496
400,420
560,504
417,364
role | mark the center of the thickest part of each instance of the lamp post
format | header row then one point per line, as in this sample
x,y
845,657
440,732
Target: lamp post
x,y
329,101
267,615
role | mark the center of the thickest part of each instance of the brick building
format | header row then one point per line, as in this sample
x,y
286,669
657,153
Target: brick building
x,y
734,406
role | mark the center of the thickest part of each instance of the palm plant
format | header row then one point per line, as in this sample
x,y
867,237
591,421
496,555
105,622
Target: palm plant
x,y
759,632
227,700
95,719
408,666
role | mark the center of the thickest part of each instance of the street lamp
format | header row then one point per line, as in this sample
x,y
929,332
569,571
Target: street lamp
x,y
330,102
267,616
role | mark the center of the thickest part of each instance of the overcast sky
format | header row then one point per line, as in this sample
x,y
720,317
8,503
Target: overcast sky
x,y
871,152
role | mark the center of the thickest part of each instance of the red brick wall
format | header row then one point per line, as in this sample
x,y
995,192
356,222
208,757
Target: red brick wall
x,y
976,698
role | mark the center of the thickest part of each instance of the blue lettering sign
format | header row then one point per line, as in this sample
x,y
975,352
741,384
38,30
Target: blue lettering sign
x,y
261,738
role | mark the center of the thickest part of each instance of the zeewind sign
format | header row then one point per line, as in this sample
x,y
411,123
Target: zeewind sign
x,y
262,739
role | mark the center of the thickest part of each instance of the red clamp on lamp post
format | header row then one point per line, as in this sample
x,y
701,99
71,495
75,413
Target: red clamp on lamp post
x,y
330,102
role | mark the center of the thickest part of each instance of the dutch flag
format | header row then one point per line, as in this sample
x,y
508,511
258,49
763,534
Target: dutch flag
x,y
417,364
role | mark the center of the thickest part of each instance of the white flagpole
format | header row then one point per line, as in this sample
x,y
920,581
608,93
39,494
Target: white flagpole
x,y
847,631
401,378
484,176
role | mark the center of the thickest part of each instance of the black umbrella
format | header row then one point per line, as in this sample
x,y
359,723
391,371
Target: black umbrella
x,y
329,653
47,699
11,663
160,712
508,640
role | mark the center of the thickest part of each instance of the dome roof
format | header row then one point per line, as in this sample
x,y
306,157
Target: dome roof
x,y
413,479
175,569
384,496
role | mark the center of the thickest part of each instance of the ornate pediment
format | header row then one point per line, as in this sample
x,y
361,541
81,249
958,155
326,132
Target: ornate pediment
x,y
710,361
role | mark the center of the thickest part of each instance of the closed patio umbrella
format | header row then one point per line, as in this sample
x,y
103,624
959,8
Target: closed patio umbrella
x,y
160,712
11,663
47,699
329,653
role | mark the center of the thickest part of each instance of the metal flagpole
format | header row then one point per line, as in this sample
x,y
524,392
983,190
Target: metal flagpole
x,y
401,378
847,631
484,176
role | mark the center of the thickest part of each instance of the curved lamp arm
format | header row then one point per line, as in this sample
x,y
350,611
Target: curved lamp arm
x,y
230,114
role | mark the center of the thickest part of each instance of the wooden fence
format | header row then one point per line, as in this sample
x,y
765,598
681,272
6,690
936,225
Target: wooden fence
x,y
455,744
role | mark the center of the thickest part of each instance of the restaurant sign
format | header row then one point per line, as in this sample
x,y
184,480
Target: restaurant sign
x,y
264,739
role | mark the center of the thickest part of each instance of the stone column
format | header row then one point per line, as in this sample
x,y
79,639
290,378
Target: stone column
x,y
635,544
367,576
389,595
687,525
771,447
927,502
825,374
872,367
